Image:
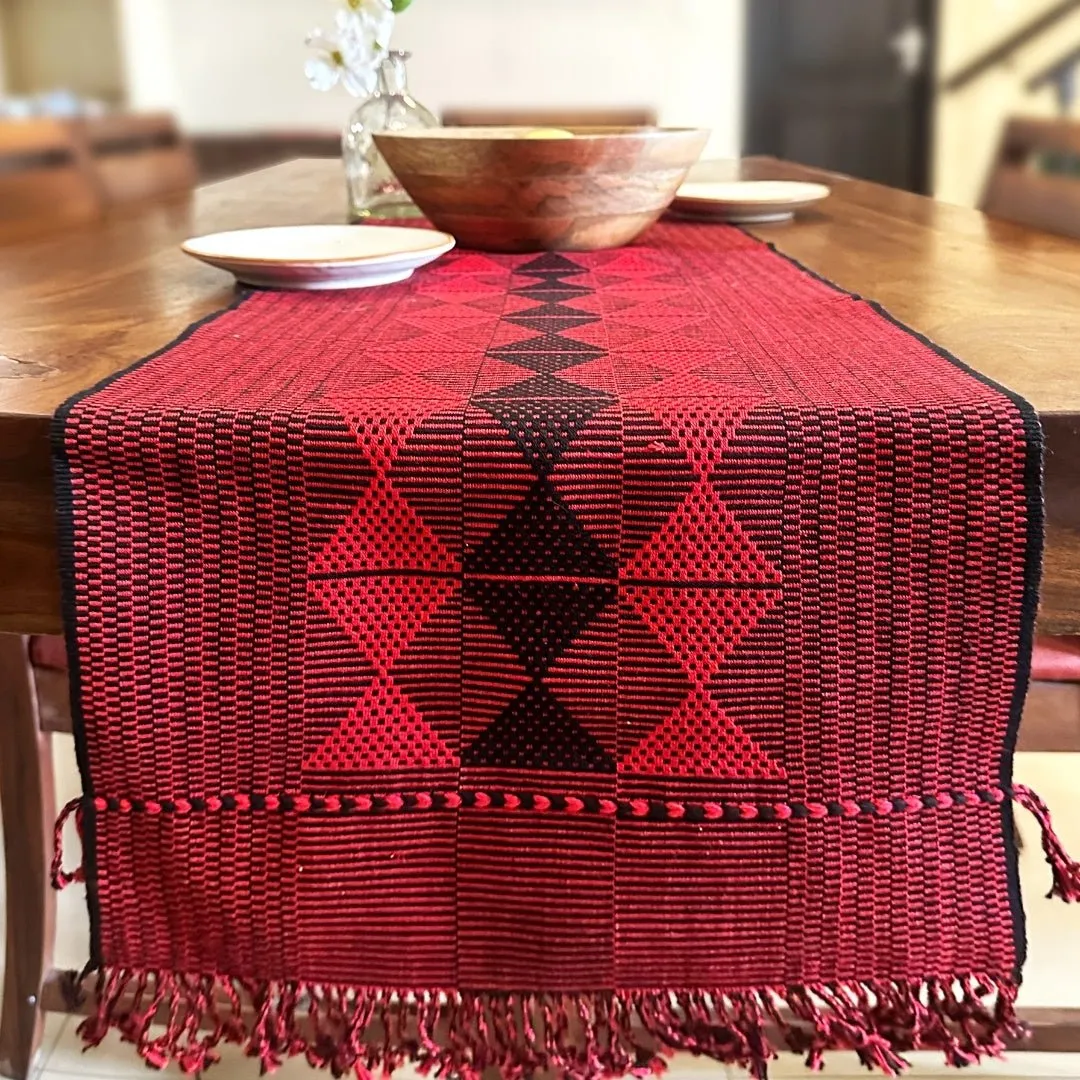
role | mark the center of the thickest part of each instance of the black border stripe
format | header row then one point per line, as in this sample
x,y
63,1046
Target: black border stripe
x,y
1029,605
65,524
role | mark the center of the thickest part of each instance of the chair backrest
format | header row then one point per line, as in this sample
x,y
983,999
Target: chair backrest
x,y
138,156
1035,178
558,118
45,177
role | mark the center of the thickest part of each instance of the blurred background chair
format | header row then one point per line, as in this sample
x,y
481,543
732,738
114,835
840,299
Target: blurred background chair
x,y
1052,715
46,178
1035,176
137,156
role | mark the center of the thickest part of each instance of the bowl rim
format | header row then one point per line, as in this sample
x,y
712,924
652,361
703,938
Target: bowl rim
x,y
514,133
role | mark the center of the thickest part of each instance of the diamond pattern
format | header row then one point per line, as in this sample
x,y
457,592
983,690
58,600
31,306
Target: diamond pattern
x,y
536,731
383,614
572,497
567,546
701,541
540,619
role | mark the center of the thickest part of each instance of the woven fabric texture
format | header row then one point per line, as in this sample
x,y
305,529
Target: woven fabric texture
x,y
545,637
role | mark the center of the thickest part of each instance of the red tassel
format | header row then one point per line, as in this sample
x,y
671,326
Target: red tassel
x,y
62,878
1066,871
965,1018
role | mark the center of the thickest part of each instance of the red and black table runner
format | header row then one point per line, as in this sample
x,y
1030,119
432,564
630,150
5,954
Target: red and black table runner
x,y
548,662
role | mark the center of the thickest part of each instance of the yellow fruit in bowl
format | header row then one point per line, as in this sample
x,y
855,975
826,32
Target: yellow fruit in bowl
x,y
549,133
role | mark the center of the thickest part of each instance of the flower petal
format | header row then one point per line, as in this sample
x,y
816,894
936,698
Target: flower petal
x,y
322,72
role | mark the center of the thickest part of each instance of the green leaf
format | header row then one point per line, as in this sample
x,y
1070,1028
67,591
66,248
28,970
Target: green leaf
x,y
399,5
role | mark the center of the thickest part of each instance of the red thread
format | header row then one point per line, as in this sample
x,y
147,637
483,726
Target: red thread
x,y
61,878
966,1021
1066,871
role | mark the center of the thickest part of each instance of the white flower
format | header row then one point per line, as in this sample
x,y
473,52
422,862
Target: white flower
x,y
353,53
376,18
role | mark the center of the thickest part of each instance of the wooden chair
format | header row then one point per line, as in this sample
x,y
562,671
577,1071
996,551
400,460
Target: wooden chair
x,y
45,178
220,156
34,703
1035,177
1052,716
138,156
549,118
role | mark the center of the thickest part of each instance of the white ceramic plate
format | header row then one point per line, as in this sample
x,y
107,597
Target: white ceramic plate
x,y
321,256
746,202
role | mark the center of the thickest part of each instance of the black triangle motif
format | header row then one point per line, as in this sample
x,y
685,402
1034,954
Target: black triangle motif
x,y
536,731
540,619
545,428
547,353
544,385
550,262
546,343
552,318
550,290
541,535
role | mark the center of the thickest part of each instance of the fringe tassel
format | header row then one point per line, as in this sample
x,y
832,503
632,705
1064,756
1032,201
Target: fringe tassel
x,y
586,1036
1066,871
62,878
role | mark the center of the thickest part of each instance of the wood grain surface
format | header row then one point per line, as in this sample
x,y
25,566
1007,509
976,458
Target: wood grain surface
x,y
86,302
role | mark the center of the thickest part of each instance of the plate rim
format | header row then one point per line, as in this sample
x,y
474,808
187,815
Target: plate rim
x,y
441,246
812,192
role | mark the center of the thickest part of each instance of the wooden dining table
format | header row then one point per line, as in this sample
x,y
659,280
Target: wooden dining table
x,y
78,305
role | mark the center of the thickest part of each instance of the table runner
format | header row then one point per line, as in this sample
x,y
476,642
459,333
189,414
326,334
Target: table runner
x,y
549,662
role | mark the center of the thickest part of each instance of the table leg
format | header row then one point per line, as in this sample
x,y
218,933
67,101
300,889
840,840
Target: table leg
x,y
28,805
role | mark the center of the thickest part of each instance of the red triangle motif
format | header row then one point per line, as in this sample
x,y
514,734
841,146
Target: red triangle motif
x,y
382,436
701,627
382,731
383,535
698,739
468,263
382,615
702,430
701,541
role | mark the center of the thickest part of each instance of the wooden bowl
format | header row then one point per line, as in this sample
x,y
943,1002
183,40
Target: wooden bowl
x,y
496,190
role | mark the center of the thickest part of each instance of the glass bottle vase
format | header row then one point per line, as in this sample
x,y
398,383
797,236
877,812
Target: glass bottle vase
x,y
373,189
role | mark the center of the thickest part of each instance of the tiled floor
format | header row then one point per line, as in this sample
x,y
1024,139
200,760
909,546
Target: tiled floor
x,y
1053,971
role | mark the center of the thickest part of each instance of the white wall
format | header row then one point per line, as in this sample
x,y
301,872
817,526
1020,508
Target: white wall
x,y
63,44
233,65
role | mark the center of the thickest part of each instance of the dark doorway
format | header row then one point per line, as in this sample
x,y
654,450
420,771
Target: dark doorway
x,y
843,84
